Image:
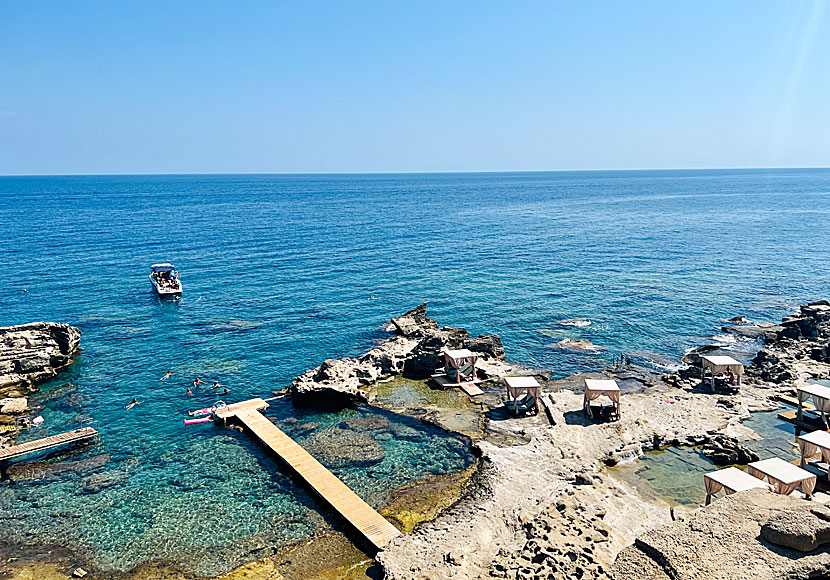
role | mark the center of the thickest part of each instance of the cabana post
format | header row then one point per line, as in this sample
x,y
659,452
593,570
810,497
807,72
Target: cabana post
x,y
460,365
517,386
719,364
595,388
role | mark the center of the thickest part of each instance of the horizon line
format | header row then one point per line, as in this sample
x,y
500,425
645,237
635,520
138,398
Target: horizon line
x,y
425,172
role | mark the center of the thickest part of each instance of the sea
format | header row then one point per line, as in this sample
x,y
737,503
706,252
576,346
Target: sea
x,y
283,271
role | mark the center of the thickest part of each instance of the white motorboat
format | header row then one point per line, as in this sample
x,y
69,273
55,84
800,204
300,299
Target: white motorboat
x,y
165,279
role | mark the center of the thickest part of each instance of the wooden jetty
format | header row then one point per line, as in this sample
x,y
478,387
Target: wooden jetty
x,y
469,387
83,434
373,526
806,424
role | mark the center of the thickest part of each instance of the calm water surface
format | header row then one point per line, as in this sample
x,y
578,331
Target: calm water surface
x,y
278,271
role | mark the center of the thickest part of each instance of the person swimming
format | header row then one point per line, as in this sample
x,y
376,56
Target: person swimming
x,y
189,392
133,403
166,375
197,381
216,385
225,392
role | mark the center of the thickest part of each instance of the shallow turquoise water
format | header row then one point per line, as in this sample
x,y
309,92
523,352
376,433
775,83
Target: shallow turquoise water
x,y
277,274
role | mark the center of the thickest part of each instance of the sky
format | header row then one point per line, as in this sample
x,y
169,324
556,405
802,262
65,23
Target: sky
x,y
285,87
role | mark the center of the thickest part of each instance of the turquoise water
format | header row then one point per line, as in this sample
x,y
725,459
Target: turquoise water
x,y
277,274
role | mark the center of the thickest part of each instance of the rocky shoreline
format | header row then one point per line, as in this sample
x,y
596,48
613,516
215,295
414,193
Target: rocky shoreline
x,y
29,355
541,502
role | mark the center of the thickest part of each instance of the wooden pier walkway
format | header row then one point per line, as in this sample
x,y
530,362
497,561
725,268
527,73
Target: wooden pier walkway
x,y
82,434
373,526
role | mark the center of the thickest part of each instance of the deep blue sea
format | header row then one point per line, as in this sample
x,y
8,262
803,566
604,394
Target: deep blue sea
x,y
278,272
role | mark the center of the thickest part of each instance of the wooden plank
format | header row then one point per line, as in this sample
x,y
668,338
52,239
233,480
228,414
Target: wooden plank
x,y
374,527
471,389
47,442
793,402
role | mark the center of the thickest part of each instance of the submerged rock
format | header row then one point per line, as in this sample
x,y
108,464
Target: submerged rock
x,y
365,423
338,447
578,345
32,353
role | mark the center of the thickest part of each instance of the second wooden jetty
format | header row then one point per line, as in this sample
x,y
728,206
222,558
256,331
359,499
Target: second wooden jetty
x,y
83,434
371,525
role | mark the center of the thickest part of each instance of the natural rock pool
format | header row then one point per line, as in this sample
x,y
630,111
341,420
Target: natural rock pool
x,y
675,474
210,498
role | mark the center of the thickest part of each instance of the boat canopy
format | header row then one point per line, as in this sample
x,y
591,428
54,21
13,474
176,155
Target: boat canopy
x,y
162,267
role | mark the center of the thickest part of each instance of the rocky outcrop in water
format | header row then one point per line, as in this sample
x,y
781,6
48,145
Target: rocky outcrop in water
x,y
414,351
799,351
723,541
35,352
722,450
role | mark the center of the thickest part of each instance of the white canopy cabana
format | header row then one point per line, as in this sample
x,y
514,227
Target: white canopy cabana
x,y
732,480
821,400
595,388
812,443
460,365
784,477
720,364
517,386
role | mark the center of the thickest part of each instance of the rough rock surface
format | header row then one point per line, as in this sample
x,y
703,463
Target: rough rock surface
x,y
800,530
415,351
32,353
722,450
721,542
338,447
799,351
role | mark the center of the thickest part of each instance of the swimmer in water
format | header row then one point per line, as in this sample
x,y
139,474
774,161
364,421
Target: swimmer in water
x,y
189,392
197,381
216,385
133,403
166,375
225,392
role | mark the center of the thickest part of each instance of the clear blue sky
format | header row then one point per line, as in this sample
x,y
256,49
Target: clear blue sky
x,y
167,87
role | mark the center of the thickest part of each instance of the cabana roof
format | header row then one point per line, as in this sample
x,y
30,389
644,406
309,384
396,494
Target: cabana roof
x,y
720,363
819,438
815,390
460,354
733,479
601,385
777,468
522,383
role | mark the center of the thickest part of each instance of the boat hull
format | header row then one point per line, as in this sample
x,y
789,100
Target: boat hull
x,y
166,291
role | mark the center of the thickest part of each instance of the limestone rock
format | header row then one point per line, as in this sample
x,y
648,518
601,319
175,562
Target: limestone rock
x,y
14,405
338,447
414,351
722,450
803,531
724,541
32,353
